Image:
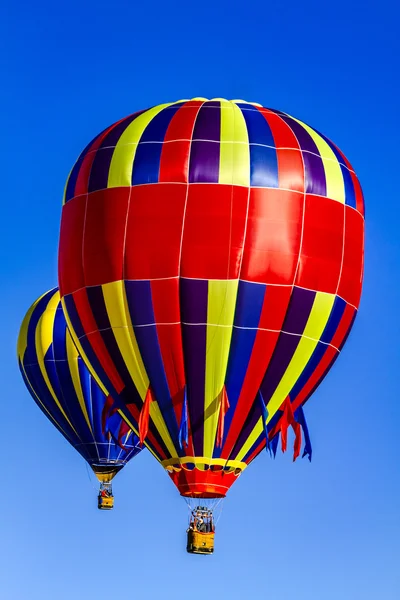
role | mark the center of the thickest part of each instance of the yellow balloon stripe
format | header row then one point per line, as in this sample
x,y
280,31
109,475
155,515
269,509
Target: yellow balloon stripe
x,y
234,163
73,365
43,341
320,313
334,179
119,317
220,315
120,173
22,343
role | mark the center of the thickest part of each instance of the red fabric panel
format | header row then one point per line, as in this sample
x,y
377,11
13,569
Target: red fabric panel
x,y
273,236
144,417
154,230
276,301
351,277
273,313
358,193
290,169
103,245
286,421
322,245
95,339
297,440
174,164
165,298
214,231
182,123
70,267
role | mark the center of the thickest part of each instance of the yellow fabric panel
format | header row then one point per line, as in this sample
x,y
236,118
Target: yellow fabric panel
x,y
81,351
320,313
43,341
234,165
21,349
72,358
22,343
120,173
105,477
220,314
119,317
333,172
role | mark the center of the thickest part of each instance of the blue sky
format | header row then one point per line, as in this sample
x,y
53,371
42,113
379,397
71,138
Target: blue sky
x,y
318,532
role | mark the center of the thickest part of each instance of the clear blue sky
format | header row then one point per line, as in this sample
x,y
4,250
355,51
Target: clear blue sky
x,y
323,531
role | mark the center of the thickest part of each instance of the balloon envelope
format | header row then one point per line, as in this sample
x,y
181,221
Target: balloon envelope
x,y
210,265
67,394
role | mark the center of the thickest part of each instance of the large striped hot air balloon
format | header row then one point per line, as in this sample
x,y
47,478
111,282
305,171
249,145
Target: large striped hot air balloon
x,y
67,394
210,268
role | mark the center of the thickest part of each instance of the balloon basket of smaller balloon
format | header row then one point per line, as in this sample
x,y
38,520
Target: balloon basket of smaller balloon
x,y
105,497
200,543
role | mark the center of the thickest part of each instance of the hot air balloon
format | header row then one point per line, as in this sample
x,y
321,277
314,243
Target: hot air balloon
x,y
67,394
210,269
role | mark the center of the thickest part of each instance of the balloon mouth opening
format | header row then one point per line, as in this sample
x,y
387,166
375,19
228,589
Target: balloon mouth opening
x,y
202,495
106,472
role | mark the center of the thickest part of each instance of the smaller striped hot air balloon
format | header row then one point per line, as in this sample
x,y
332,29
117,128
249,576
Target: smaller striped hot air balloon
x,y
64,390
